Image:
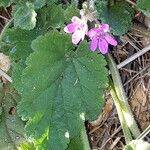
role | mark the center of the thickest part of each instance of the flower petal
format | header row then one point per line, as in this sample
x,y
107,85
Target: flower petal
x,y
76,19
77,36
85,29
110,40
70,28
105,27
92,33
103,46
93,45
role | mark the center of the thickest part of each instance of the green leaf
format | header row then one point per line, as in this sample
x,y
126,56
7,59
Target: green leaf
x,y
51,16
61,85
118,15
11,126
4,3
70,12
144,6
39,3
20,48
79,142
51,1
24,16
16,75
55,15
19,42
26,146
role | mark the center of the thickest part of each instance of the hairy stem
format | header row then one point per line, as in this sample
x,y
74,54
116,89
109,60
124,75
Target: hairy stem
x,y
126,130
123,101
84,137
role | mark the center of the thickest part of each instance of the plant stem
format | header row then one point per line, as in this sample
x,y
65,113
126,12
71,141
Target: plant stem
x,y
126,130
85,140
123,101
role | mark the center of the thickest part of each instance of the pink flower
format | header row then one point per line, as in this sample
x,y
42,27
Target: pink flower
x,y
100,38
78,27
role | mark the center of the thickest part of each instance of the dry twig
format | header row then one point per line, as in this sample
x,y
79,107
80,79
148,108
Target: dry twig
x,y
133,57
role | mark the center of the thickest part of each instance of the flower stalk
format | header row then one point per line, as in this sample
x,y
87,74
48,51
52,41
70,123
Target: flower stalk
x,y
122,103
126,130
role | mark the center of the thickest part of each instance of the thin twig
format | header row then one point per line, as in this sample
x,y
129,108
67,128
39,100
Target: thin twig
x,y
5,28
115,142
133,57
4,18
130,42
145,68
132,3
118,130
3,74
144,133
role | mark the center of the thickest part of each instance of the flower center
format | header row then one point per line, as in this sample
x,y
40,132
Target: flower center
x,y
82,26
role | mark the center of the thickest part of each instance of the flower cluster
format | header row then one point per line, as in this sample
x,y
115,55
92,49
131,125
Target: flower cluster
x,y
100,37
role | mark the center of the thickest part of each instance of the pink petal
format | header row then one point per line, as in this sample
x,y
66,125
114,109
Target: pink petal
x,y
93,45
103,46
70,28
92,33
105,27
85,29
82,34
76,19
110,40
77,36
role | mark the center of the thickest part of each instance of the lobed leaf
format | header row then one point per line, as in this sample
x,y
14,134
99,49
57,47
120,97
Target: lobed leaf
x,y
118,15
11,126
70,12
61,87
19,42
4,3
39,3
144,6
55,15
20,48
24,16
